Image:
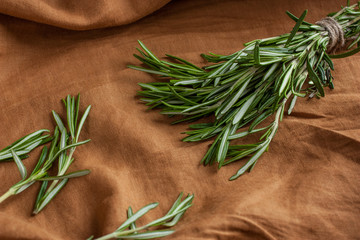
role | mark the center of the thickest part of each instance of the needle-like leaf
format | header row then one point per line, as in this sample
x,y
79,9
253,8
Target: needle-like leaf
x,y
19,164
66,176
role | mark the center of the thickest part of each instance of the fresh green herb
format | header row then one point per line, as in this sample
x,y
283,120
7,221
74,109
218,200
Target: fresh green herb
x,y
62,148
25,145
67,141
247,87
129,230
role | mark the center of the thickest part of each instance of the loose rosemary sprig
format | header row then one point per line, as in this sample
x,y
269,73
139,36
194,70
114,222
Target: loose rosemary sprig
x,y
57,150
25,145
129,230
69,141
247,87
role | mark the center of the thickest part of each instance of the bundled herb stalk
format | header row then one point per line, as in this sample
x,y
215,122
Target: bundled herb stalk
x,y
62,147
129,230
249,86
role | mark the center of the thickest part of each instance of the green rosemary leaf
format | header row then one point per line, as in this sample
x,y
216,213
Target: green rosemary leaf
x,y
235,98
137,215
296,27
176,203
259,119
48,197
146,61
41,160
66,176
239,148
315,79
77,106
185,203
62,156
148,51
245,133
170,219
242,154
54,143
329,61
184,61
23,187
19,164
249,163
224,143
181,97
181,68
41,193
241,113
28,146
293,17
82,121
257,53
59,122
286,80
207,159
26,139
130,213
147,70
201,125
292,105
69,112
188,82
25,145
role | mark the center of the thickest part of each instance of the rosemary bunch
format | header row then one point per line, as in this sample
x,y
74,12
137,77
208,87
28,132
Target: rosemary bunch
x,y
25,145
251,85
129,230
58,150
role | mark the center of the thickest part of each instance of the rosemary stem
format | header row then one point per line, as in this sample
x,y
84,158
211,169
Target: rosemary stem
x,y
122,233
9,193
127,232
62,172
109,236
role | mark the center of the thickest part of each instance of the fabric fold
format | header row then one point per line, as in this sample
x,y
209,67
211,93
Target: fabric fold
x,y
82,14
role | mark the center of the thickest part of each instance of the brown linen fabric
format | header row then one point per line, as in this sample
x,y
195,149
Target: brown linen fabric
x,y
81,14
306,187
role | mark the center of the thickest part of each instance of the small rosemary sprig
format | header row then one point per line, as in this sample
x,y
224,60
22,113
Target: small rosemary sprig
x,y
25,145
245,88
58,150
129,230
69,141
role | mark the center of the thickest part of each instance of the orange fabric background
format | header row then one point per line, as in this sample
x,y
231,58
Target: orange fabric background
x,y
306,187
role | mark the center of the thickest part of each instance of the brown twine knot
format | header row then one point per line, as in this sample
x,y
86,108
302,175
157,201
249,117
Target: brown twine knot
x,y
335,33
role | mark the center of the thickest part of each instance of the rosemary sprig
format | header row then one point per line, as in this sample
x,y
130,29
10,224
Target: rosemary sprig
x,y
25,145
58,150
247,87
69,141
129,230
